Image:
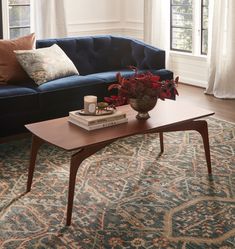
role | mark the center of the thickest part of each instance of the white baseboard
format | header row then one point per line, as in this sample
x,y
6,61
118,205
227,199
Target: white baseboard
x,y
193,82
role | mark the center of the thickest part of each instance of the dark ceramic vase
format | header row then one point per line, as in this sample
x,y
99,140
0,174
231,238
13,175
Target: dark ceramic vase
x,y
143,106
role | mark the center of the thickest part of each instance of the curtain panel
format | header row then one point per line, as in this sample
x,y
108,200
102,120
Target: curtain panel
x,y
49,18
221,56
156,24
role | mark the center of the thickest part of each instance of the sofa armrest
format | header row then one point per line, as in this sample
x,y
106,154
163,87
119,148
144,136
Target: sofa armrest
x,y
147,57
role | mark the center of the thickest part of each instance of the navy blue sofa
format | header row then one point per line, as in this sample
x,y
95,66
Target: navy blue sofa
x,y
97,58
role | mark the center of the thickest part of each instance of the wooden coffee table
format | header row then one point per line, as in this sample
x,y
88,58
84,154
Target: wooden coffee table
x,y
167,116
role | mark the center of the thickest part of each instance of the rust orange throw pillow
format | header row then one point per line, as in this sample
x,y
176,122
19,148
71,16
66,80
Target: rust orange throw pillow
x,y
10,70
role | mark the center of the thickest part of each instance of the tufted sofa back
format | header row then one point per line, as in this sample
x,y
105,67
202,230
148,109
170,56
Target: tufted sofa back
x,y
93,54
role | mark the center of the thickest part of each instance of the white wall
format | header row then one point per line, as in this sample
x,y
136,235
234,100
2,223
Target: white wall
x,y
88,17
125,17
192,70
133,18
119,17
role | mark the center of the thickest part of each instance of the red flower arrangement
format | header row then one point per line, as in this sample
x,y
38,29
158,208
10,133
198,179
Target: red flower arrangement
x,y
142,85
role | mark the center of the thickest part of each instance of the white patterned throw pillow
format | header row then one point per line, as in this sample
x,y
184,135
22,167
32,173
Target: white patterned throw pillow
x,y
45,64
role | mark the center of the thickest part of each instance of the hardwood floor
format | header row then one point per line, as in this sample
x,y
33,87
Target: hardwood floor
x,y
224,108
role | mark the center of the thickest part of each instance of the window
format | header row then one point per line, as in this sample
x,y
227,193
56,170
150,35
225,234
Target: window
x,y
204,26
19,18
181,25
189,26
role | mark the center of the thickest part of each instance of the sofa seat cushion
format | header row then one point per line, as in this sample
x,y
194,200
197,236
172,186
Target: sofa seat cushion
x,y
110,76
70,82
17,99
163,73
60,96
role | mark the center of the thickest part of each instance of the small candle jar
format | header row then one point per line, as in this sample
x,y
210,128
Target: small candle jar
x,y
90,103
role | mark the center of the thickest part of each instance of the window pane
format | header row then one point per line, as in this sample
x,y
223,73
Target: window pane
x,y
205,17
204,32
19,1
189,2
19,16
204,41
182,39
181,25
182,16
17,32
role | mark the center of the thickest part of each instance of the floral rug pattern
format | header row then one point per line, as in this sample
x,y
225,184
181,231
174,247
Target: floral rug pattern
x,y
127,195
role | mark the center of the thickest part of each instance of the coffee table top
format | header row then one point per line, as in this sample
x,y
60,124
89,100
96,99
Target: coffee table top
x,y
68,136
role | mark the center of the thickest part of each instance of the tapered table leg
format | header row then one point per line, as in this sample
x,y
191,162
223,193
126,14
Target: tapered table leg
x,y
197,125
75,162
36,143
202,128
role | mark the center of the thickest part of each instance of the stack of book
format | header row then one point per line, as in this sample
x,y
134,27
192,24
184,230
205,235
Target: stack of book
x,y
96,122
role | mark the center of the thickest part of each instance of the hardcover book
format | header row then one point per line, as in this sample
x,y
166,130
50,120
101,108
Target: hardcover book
x,y
100,119
103,124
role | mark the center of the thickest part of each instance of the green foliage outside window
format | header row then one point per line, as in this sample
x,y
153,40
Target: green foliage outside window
x,y
182,25
19,18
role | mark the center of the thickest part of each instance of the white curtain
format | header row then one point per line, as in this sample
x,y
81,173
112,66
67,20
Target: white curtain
x,y
49,18
156,24
148,22
221,81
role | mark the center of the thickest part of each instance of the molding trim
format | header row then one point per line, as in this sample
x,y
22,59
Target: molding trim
x,y
94,22
116,27
131,32
131,21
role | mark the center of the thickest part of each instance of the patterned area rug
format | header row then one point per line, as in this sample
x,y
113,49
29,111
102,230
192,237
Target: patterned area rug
x,y
127,196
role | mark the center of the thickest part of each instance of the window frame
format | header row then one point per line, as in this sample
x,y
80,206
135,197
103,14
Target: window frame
x,y
197,29
5,18
20,26
172,27
202,28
